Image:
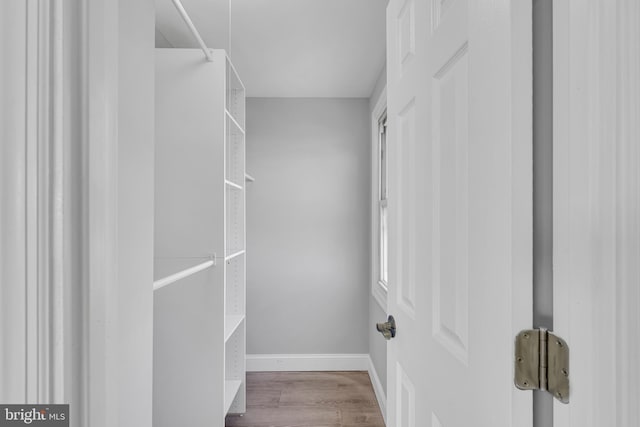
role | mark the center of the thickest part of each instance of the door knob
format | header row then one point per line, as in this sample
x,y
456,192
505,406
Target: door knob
x,y
388,328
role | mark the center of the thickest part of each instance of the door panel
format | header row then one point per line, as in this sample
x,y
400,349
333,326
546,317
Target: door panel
x,y
450,205
459,143
406,147
406,416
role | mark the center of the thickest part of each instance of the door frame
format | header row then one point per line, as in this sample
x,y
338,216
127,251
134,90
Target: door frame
x,y
60,328
61,273
596,207
32,186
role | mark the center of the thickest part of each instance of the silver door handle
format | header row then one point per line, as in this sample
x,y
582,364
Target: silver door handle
x,y
388,328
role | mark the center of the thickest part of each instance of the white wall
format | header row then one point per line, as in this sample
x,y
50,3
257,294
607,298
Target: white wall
x,y
212,18
135,210
308,226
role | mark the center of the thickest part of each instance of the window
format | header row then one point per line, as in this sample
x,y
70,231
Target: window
x,y
383,257
379,205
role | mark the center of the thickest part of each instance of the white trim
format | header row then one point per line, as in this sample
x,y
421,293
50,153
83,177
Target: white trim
x,y
307,362
33,198
14,287
31,296
520,115
99,126
379,107
379,292
61,333
377,289
58,254
627,221
381,396
596,201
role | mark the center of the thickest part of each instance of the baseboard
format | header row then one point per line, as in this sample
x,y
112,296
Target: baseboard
x,y
307,362
377,388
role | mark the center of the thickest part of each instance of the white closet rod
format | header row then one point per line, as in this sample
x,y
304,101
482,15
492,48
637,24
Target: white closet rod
x,y
249,178
181,275
194,30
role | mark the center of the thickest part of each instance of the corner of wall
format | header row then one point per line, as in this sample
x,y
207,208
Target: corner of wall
x,y
381,84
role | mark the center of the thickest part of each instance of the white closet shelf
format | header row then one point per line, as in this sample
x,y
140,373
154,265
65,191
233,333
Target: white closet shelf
x,y
231,388
249,178
233,119
233,255
233,184
231,323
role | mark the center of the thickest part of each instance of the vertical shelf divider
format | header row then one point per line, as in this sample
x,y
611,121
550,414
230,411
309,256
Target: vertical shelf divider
x,y
235,243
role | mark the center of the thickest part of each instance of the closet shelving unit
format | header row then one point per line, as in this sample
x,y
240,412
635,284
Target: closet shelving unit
x,y
199,325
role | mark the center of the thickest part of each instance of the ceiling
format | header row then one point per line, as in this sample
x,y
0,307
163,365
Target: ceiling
x,y
288,48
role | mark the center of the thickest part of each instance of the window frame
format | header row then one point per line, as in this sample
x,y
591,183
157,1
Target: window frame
x,y
379,202
383,205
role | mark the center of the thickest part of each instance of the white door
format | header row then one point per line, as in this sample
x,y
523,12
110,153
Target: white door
x,y
459,114
597,208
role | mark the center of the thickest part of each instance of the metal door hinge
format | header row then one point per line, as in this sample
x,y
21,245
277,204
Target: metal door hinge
x,y
542,363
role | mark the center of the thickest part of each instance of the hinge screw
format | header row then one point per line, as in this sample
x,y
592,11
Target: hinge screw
x,y
520,359
565,373
559,343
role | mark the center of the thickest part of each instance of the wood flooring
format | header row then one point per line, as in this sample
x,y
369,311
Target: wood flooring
x,y
309,399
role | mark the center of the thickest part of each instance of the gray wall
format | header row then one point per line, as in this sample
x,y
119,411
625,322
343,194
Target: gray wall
x,y
308,226
377,344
